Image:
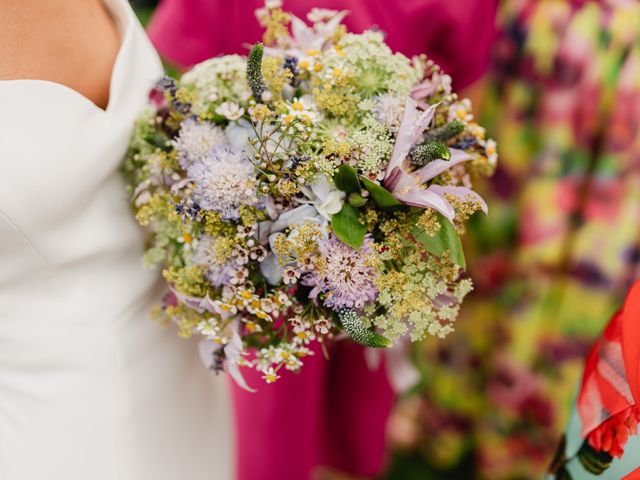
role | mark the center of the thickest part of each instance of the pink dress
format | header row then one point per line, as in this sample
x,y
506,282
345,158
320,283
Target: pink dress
x,y
334,413
455,33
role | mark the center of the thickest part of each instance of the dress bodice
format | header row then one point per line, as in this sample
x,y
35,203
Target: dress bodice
x,y
61,199
90,387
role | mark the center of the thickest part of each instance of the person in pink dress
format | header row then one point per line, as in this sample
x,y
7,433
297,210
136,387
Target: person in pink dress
x,y
334,412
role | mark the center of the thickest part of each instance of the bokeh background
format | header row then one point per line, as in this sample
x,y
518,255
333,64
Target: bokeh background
x,y
555,257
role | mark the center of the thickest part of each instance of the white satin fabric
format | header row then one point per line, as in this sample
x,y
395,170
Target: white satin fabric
x,y
90,387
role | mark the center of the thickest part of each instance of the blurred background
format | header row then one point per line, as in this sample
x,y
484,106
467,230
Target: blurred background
x,y
555,257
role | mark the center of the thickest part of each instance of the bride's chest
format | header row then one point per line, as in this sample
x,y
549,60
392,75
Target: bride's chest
x,y
50,165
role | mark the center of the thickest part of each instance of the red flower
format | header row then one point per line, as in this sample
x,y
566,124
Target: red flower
x,y
612,435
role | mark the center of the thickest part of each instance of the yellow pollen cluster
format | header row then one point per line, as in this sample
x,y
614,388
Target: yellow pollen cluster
x,y
338,149
214,226
288,188
275,76
260,113
188,280
275,22
428,221
464,209
186,95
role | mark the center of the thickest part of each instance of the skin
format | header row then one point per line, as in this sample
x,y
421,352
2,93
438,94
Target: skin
x,y
70,42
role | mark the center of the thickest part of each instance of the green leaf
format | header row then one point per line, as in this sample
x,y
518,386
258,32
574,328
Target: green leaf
x,y
356,199
381,195
347,227
446,240
346,179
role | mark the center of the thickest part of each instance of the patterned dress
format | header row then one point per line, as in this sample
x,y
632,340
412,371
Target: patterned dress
x,y
555,257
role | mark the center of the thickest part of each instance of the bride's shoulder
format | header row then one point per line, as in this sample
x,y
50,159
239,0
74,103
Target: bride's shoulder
x,y
71,42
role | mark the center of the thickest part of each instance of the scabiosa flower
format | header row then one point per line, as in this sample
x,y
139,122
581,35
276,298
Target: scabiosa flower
x,y
196,140
224,182
348,278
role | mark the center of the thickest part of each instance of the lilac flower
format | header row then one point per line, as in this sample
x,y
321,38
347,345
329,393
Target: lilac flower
x,y
196,140
408,186
347,279
224,182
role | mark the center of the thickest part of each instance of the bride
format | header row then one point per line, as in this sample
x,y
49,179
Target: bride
x,y
90,388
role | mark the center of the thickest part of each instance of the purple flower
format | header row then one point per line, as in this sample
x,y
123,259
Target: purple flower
x,y
224,182
347,278
407,186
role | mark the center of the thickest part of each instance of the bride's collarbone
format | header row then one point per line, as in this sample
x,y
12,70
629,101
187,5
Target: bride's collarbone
x,y
70,42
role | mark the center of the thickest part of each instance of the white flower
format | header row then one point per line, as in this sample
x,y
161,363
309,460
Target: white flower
x,y
322,326
461,111
270,375
290,275
230,110
301,108
303,335
239,276
491,149
208,328
388,110
324,196
317,15
295,322
273,4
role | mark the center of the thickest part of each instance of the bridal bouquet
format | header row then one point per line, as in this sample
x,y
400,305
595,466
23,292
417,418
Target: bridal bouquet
x,y
317,186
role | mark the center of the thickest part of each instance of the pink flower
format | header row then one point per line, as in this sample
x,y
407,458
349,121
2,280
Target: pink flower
x,y
407,186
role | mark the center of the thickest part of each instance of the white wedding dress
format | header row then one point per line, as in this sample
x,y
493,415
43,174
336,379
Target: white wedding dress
x,y
90,387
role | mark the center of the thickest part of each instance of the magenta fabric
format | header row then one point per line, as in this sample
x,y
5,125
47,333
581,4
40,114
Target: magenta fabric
x,y
333,413
455,33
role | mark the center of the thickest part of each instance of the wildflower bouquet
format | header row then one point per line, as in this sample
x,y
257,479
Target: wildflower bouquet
x,y
317,186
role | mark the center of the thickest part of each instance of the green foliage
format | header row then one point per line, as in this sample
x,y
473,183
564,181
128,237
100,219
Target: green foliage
x,y
446,240
347,226
381,195
346,179
356,200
